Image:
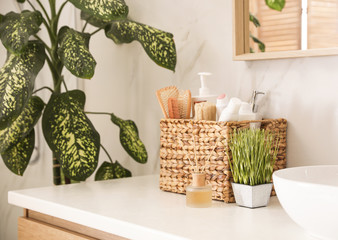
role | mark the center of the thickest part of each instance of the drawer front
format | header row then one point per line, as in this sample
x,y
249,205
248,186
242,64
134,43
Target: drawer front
x,y
29,229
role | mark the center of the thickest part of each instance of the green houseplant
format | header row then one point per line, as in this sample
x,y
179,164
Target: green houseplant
x,y
68,131
254,153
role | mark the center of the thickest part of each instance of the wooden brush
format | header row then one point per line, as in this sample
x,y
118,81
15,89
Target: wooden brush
x,y
184,103
163,96
173,108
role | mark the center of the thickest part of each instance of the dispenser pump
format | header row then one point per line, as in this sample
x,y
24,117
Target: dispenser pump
x,y
204,90
253,100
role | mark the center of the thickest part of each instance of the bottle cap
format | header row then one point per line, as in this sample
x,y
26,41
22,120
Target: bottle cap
x,y
204,90
222,96
221,99
198,179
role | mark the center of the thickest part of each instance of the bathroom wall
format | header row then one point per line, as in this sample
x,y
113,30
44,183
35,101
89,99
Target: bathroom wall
x,y
304,90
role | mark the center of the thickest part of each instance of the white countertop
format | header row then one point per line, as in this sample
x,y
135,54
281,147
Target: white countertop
x,y
136,208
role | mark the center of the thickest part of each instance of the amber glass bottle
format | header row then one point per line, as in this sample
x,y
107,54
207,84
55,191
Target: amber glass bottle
x,y
198,194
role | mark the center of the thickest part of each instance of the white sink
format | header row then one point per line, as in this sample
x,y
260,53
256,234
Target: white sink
x,y
310,197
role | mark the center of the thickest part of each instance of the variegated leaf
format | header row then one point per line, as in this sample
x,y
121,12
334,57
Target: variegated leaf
x,y
104,9
1,17
74,52
71,135
22,125
16,28
95,21
120,171
130,140
110,170
159,45
17,79
17,157
105,172
275,4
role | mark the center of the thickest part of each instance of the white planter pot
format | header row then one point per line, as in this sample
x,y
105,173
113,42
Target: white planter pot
x,y
252,196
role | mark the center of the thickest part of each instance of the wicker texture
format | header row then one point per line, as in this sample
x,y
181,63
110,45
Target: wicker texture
x,y
177,146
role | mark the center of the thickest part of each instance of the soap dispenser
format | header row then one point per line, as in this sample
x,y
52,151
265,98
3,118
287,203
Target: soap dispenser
x,y
204,92
254,109
198,195
245,112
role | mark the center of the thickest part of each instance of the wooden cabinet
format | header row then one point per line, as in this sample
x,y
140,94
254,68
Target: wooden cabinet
x,y
37,226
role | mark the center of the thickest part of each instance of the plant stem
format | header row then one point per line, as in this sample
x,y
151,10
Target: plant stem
x,y
58,14
56,63
46,46
43,19
56,171
64,179
57,87
55,66
95,31
44,10
64,84
84,27
53,70
42,89
61,8
106,153
51,66
67,180
52,7
29,2
103,113
50,34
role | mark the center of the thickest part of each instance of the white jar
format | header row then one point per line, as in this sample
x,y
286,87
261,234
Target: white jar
x,y
221,104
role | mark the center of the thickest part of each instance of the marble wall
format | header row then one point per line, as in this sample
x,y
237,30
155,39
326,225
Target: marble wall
x,y
304,90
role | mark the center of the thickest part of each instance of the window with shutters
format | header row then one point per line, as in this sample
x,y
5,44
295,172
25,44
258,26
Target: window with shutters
x,y
302,24
279,31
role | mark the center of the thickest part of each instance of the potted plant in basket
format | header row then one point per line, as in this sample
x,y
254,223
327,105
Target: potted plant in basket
x,y
254,152
68,131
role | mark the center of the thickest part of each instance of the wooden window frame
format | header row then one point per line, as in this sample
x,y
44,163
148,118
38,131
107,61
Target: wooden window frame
x,y
241,50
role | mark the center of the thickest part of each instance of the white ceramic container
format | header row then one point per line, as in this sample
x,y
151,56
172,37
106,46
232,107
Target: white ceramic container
x,y
252,196
310,197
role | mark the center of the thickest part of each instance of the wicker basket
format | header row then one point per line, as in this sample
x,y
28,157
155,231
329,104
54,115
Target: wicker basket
x,y
211,139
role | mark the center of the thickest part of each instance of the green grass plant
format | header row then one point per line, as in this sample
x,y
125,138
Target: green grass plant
x,y
254,152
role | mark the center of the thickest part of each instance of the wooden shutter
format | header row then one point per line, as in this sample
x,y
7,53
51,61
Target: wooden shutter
x,y
322,23
279,31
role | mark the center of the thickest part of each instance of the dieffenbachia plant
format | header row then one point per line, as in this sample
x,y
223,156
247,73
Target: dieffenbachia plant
x,y
68,131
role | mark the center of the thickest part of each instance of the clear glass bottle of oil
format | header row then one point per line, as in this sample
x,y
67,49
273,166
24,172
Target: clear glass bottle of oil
x,y
198,194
